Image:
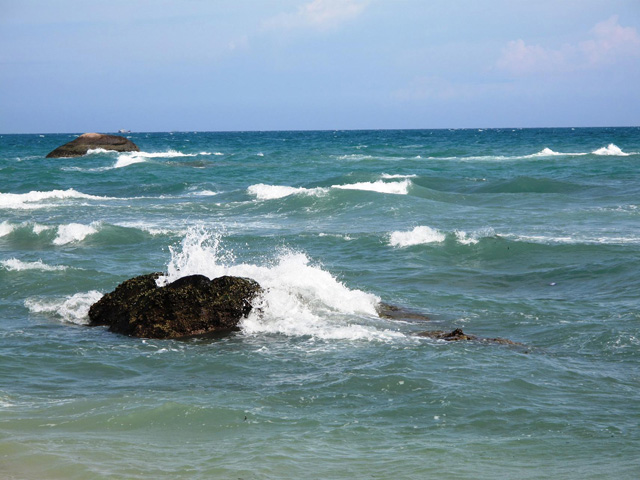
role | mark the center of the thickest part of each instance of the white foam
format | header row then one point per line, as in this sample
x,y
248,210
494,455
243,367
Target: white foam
x,y
130,158
167,154
546,152
610,149
474,237
391,177
34,199
300,299
204,193
125,161
152,229
6,228
38,229
271,192
418,236
355,156
97,151
577,239
395,188
15,265
73,309
74,232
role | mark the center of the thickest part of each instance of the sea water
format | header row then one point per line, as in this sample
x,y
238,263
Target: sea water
x,y
527,234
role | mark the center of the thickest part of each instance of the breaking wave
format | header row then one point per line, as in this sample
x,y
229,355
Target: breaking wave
x,y
611,150
72,309
424,235
300,298
269,192
15,265
75,232
36,199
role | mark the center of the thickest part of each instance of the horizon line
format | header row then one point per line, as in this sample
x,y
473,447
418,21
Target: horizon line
x,y
319,130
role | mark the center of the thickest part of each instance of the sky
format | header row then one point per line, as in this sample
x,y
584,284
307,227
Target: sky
x,y
221,65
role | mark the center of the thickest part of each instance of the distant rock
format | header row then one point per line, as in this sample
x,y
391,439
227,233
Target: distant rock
x,y
91,141
192,305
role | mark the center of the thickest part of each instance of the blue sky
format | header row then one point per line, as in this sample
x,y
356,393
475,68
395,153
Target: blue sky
x,y
161,65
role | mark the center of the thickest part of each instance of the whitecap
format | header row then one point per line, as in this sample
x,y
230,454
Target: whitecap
x,y
6,228
395,188
33,199
73,309
546,152
204,193
355,156
474,237
388,176
15,265
38,229
271,192
126,160
74,232
611,150
151,229
580,239
418,236
97,151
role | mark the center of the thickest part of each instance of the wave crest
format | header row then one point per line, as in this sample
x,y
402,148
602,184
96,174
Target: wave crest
x,y
424,235
75,232
271,192
611,150
34,199
72,309
15,265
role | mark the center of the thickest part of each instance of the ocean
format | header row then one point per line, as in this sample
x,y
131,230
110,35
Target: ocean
x,y
532,235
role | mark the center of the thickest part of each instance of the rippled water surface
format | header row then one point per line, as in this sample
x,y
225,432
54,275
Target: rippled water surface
x,y
531,235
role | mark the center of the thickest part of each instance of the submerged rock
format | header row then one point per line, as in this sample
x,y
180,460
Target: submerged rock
x,y
458,335
394,312
90,141
192,305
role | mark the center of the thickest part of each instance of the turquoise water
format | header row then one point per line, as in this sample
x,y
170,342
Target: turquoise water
x,y
527,234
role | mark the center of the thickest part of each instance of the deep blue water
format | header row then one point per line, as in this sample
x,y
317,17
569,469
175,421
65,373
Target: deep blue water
x,y
527,234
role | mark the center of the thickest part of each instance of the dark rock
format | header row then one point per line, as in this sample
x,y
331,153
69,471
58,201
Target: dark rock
x,y
89,141
386,310
458,335
192,305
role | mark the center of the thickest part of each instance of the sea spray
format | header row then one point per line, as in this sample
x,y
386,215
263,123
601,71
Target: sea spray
x,y
300,299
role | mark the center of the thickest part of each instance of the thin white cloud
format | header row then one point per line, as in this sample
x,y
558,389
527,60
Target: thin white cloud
x,y
521,59
437,88
609,43
318,14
